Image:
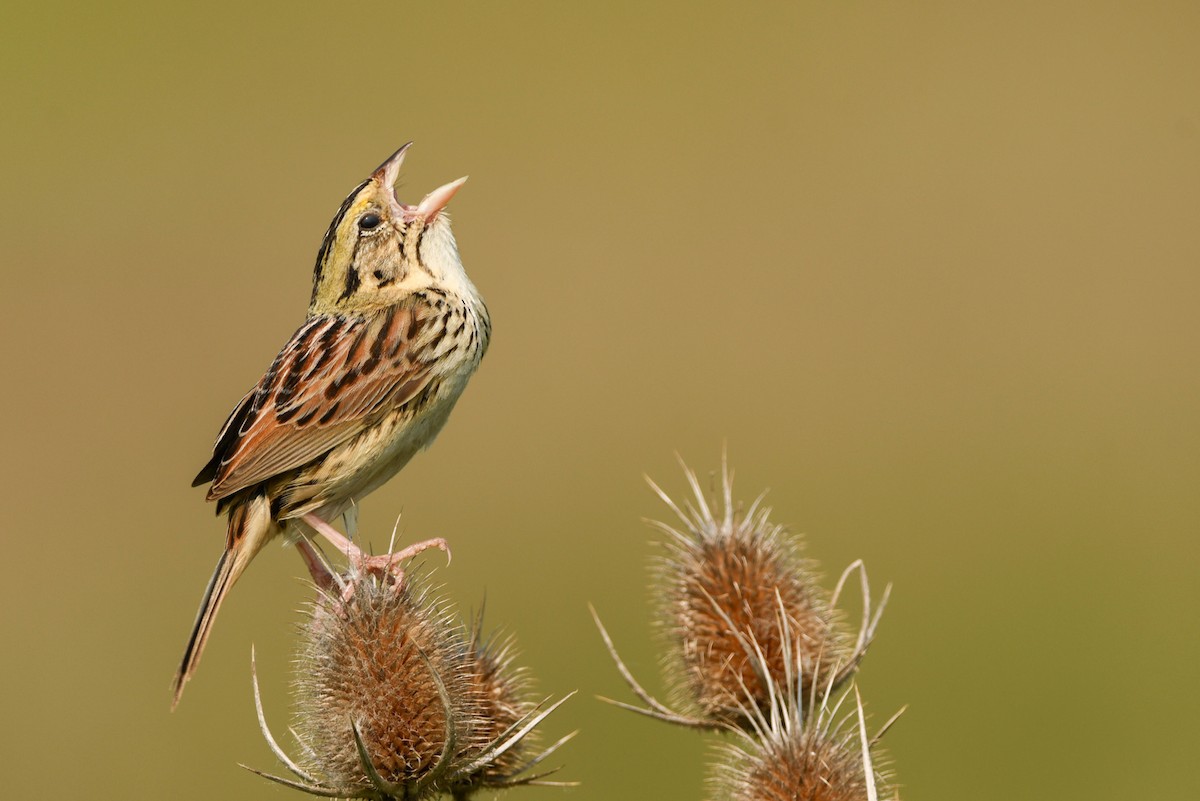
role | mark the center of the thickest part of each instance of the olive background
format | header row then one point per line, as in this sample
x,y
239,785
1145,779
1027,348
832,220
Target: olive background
x,y
927,271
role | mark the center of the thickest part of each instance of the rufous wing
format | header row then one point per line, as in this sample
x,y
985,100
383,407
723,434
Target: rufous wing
x,y
332,380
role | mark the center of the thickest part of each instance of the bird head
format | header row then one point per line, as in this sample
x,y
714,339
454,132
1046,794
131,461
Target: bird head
x,y
378,250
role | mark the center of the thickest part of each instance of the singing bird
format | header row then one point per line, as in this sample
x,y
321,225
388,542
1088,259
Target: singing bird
x,y
394,330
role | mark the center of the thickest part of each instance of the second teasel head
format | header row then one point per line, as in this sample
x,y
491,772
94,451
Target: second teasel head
x,y
803,748
501,693
730,584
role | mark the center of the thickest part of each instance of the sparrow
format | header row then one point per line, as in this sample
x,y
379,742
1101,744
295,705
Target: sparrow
x,y
394,331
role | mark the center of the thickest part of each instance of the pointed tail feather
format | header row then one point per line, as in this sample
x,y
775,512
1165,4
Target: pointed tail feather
x,y
250,527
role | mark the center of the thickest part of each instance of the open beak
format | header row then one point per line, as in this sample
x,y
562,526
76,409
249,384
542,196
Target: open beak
x,y
387,172
427,209
434,202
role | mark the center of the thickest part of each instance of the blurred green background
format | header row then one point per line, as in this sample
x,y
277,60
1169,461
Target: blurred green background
x,y
929,270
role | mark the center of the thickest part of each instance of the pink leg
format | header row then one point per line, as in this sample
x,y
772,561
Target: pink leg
x,y
379,565
318,568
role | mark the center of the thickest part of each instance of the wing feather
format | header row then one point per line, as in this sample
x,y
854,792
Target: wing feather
x,y
331,381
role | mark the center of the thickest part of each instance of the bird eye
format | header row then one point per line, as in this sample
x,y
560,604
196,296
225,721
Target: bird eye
x,y
368,221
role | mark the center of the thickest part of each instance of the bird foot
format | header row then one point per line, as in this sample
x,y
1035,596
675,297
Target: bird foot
x,y
389,563
385,566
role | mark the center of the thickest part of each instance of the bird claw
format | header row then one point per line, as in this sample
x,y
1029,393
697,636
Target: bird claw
x,y
389,563
384,566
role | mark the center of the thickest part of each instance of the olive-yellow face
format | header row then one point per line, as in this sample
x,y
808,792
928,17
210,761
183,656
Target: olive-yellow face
x,y
376,252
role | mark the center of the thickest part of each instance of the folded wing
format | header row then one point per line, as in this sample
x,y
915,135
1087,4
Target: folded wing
x,y
331,381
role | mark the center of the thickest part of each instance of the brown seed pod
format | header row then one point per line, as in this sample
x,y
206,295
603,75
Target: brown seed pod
x,y
502,704
394,701
809,764
386,669
728,580
797,743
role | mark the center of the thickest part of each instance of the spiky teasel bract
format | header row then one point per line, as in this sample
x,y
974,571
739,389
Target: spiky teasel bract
x,y
800,745
727,577
392,699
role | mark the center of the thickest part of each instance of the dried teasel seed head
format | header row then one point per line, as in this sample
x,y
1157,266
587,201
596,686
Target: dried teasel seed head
x,y
394,701
727,581
502,703
388,661
810,764
800,744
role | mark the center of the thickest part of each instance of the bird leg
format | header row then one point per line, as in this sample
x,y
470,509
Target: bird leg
x,y
318,567
384,564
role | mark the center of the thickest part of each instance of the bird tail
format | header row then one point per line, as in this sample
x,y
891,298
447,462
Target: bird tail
x,y
250,527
